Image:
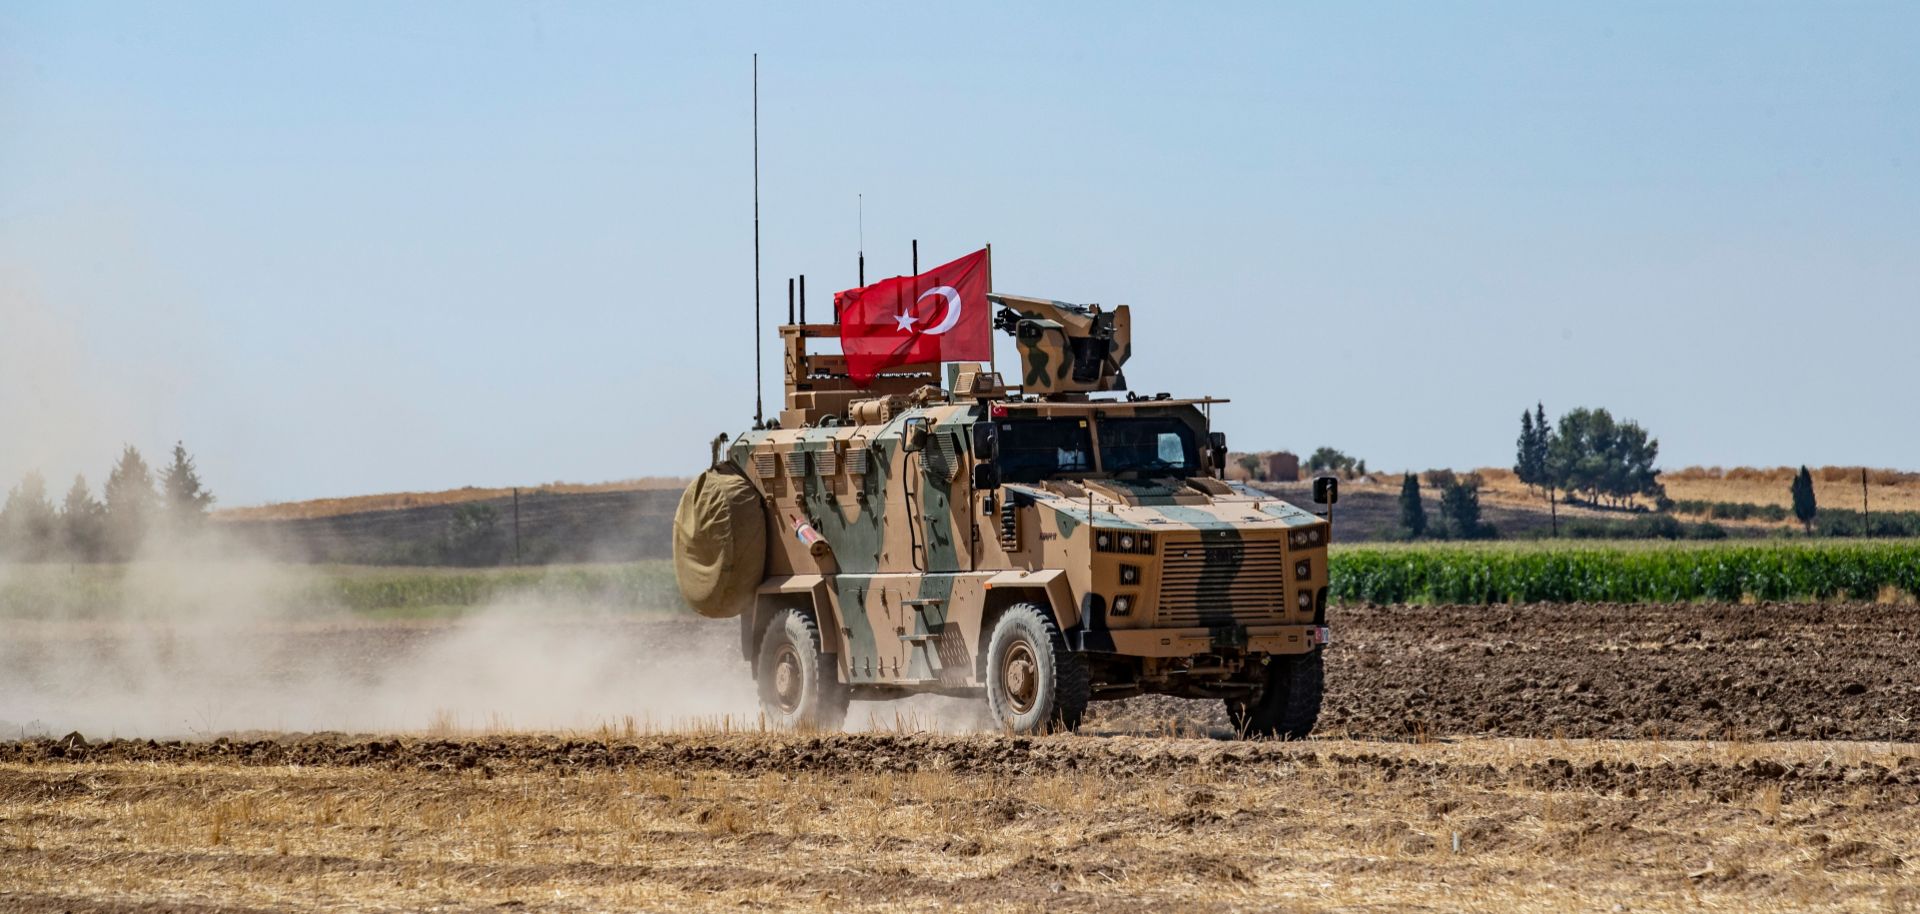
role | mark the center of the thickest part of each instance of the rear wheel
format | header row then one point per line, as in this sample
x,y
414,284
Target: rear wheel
x,y
1287,705
1034,684
799,687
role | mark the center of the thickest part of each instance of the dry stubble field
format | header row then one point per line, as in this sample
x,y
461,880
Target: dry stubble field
x,y
1457,775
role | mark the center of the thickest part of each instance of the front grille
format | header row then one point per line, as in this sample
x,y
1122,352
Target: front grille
x,y
1213,584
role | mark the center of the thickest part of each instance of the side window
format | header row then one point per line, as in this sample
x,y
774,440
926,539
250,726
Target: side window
x,y
1173,451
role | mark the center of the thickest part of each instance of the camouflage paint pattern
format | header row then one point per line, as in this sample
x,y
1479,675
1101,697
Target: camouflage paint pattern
x,y
919,568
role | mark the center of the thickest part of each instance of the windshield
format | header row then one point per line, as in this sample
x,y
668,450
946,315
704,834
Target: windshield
x,y
1154,445
1032,450
1036,449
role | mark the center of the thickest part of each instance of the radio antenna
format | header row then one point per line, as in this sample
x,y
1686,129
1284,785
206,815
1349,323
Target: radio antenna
x,y
758,405
860,217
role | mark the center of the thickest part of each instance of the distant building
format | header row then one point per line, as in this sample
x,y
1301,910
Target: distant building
x,y
1283,466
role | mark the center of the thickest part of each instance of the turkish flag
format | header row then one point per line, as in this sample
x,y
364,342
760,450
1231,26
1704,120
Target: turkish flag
x,y
937,316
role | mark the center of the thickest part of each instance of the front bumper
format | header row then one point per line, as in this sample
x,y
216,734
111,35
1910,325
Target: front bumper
x,y
1186,642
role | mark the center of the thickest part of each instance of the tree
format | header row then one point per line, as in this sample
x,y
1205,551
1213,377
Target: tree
x,y
1329,460
1413,515
27,522
1804,506
1530,451
1523,451
186,500
1250,463
130,503
1593,454
83,522
1460,505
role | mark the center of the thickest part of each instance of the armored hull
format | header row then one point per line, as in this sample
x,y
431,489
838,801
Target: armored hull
x,y
1040,550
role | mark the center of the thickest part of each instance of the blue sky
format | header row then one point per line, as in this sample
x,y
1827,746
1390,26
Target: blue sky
x,y
348,248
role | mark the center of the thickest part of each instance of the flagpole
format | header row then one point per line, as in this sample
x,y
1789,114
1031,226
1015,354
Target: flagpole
x,y
759,407
993,363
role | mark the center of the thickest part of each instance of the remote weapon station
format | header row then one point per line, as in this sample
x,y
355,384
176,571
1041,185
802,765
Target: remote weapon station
x,y
1040,545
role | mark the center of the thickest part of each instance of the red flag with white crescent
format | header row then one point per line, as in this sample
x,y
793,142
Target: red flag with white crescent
x,y
937,316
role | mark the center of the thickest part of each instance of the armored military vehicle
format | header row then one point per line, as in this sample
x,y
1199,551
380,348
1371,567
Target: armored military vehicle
x,y
1044,545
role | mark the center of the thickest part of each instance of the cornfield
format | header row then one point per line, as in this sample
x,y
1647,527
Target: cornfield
x,y
1563,573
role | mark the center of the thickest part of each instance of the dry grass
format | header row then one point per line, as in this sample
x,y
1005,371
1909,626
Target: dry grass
x,y
396,501
1327,826
1835,487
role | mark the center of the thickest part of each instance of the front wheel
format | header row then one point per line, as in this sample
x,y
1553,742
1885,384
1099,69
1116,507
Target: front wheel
x,y
1034,684
1287,705
799,688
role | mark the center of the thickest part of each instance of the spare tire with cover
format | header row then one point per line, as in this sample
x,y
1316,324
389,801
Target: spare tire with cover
x,y
719,544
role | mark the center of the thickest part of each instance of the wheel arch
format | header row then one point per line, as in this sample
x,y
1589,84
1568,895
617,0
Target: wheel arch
x,y
1046,590
809,596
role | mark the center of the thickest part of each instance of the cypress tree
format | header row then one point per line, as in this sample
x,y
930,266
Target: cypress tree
x,y
1804,507
1413,515
1523,455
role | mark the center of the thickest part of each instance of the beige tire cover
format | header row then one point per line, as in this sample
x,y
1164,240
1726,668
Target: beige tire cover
x,y
719,544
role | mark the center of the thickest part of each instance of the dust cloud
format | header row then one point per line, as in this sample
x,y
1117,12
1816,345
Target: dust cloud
x,y
207,635
205,645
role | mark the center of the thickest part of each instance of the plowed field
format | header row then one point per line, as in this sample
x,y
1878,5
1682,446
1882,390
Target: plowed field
x,y
1746,767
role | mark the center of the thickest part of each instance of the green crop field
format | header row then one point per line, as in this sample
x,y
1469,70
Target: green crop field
x,y
84,591
1655,572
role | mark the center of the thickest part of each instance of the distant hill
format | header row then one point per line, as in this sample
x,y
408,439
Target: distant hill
x,y
400,501
614,522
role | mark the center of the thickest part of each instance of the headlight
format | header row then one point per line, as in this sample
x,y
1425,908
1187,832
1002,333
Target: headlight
x,y
1303,569
1123,541
1122,605
1129,574
1306,600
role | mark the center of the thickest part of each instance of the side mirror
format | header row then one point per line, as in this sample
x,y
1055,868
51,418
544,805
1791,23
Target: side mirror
x,y
1326,490
1217,452
986,476
986,440
914,438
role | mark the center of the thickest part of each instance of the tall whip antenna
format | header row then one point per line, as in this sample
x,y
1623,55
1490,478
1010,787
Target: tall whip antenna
x,y
758,405
860,217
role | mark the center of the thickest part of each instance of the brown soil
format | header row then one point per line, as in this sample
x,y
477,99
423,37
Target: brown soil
x,y
1420,814
1680,671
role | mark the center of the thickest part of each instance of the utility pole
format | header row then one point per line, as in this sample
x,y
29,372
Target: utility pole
x,y
1866,517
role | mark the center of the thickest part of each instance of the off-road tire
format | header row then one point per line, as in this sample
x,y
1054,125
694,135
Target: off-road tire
x,y
1287,705
807,693
1034,684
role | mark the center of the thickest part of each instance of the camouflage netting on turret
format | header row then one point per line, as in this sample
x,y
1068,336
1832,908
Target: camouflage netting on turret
x,y
719,544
